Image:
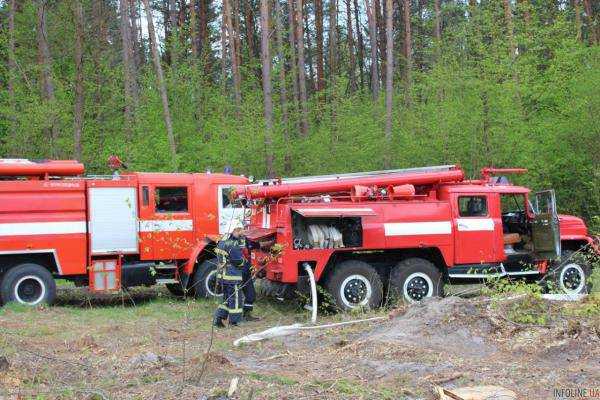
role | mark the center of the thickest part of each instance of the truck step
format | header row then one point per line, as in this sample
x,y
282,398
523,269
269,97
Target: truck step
x,y
159,281
165,267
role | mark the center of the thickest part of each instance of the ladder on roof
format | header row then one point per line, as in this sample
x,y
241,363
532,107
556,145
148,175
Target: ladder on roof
x,y
330,177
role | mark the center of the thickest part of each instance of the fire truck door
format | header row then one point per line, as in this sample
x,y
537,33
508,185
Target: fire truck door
x,y
545,229
166,223
474,229
231,215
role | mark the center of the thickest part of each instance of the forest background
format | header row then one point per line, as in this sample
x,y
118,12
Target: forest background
x,y
293,87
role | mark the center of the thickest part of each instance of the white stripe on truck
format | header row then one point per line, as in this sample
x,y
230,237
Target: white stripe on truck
x,y
42,228
474,224
166,225
417,228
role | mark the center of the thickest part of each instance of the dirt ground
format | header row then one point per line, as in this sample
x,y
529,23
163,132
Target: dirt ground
x,y
149,345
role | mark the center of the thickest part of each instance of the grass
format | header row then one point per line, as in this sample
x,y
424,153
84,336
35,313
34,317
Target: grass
x,y
87,343
107,332
275,379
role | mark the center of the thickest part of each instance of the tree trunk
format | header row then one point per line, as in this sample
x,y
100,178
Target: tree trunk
x,y
236,31
235,70
160,80
293,61
438,21
593,29
249,22
333,47
361,45
171,37
301,70
389,76
135,32
12,68
203,39
173,16
287,166
510,30
578,24
45,62
319,39
193,29
333,69
79,80
266,84
407,50
351,54
309,55
98,48
129,72
181,15
380,29
373,41
224,52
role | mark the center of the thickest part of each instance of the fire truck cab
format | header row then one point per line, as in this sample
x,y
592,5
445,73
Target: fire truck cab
x,y
405,233
108,232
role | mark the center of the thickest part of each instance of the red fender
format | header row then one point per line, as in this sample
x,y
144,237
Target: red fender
x,y
188,267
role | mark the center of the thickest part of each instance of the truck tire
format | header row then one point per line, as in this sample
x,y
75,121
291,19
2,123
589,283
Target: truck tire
x,y
204,281
355,284
29,284
414,279
571,274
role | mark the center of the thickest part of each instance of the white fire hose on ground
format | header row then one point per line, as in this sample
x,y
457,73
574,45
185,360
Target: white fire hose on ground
x,y
286,330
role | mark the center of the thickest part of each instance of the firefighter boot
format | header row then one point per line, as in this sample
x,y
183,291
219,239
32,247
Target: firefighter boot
x,y
218,322
248,317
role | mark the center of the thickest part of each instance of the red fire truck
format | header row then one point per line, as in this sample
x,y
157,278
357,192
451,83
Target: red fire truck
x,y
409,231
108,232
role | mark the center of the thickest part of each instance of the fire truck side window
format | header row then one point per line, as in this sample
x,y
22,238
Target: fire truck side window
x,y
472,206
171,199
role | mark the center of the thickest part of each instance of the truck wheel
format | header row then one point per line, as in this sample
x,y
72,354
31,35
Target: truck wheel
x,y
414,279
29,284
355,284
204,282
571,274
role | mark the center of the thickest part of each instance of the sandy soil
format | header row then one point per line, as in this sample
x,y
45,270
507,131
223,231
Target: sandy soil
x,y
108,348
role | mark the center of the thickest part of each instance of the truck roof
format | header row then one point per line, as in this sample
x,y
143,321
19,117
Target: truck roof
x,y
170,177
483,188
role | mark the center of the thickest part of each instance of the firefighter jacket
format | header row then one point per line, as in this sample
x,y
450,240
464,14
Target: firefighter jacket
x,y
227,243
233,271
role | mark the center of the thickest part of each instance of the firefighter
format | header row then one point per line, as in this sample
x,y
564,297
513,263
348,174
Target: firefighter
x,y
236,239
230,280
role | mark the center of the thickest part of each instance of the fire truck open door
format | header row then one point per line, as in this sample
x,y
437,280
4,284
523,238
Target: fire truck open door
x,y
545,226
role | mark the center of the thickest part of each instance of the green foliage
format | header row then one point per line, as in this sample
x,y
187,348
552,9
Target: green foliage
x,y
527,308
469,102
589,307
500,287
532,310
594,279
